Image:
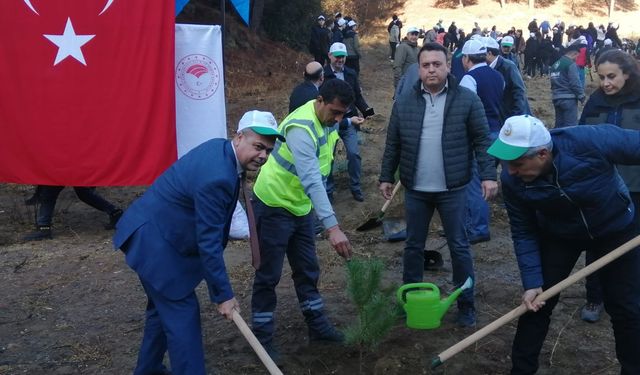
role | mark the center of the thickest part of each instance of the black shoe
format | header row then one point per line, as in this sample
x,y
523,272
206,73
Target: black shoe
x,y
113,219
466,317
330,335
42,233
476,240
357,195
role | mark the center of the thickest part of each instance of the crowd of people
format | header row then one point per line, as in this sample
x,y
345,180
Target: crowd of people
x,y
460,118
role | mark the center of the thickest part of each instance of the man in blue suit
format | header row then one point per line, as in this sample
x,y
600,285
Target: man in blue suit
x,y
307,90
174,237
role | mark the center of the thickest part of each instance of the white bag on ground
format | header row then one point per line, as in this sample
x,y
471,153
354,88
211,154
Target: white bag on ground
x,y
239,224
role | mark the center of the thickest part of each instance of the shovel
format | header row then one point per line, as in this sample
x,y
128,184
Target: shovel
x,y
375,222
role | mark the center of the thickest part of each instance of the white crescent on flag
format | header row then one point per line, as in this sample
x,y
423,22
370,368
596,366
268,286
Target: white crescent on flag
x,y
28,3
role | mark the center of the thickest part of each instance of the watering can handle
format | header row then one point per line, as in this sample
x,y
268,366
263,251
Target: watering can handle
x,y
403,290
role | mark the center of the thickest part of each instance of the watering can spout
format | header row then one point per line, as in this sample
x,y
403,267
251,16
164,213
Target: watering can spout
x,y
446,303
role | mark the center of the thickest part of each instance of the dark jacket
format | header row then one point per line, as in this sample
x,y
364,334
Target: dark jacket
x,y
622,110
174,235
565,81
584,198
515,94
301,94
351,77
464,131
319,40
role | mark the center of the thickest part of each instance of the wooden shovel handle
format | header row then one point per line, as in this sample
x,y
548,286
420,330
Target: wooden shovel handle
x,y
393,194
255,344
520,310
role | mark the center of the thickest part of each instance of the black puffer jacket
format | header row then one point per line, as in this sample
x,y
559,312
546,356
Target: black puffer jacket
x,y
464,131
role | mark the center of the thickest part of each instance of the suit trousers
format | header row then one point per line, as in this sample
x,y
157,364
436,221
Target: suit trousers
x,y
172,325
620,282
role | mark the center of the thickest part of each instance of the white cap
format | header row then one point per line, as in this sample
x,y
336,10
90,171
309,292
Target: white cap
x,y
517,135
262,123
321,17
491,43
507,41
338,49
341,22
608,42
412,29
532,35
474,47
351,23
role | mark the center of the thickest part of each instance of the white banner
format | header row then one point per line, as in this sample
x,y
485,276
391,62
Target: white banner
x,y
200,104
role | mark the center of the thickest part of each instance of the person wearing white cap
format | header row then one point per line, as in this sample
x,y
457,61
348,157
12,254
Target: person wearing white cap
x,y
319,40
514,100
352,42
435,130
607,45
489,86
174,236
566,88
338,31
564,195
350,125
506,47
289,188
406,54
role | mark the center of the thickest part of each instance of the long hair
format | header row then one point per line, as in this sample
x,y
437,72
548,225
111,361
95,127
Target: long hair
x,y
627,64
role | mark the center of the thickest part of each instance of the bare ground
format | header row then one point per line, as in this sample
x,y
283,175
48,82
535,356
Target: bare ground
x,y
71,305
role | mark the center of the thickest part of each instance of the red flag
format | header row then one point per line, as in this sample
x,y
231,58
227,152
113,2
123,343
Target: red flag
x,y
86,91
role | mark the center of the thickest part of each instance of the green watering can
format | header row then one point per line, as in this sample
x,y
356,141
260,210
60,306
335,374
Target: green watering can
x,y
421,302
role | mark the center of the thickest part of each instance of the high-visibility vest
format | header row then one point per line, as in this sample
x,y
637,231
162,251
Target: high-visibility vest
x,y
278,184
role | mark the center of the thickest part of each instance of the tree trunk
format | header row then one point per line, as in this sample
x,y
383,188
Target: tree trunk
x,y
257,10
502,3
611,7
461,4
531,4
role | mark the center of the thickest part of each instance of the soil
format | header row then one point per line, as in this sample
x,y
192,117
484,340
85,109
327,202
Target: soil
x,y
71,305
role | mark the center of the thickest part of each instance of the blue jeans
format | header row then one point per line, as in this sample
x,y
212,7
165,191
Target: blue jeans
x,y
477,220
566,112
451,206
349,136
281,233
621,291
581,74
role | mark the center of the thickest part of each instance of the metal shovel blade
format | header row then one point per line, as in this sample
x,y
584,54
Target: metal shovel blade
x,y
371,223
395,229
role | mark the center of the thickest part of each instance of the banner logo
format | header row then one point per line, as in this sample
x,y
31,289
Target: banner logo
x,y
197,76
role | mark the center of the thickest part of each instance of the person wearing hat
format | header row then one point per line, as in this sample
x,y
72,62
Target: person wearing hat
x,y
563,195
606,46
406,54
352,42
435,130
289,188
338,31
514,100
319,40
174,235
349,126
506,46
489,86
566,88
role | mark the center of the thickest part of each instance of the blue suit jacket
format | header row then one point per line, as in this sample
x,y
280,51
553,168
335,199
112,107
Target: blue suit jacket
x,y
301,94
175,234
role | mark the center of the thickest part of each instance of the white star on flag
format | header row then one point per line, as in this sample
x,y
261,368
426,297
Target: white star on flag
x,y
69,44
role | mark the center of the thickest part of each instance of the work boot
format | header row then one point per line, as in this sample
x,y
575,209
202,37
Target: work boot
x,y
273,353
329,335
113,219
591,312
466,316
43,232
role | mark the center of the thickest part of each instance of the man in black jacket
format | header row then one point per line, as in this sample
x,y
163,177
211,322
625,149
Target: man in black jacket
x,y
319,41
307,90
433,133
350,124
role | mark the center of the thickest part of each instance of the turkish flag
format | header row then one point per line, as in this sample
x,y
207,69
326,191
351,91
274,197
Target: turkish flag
x,y
86,91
